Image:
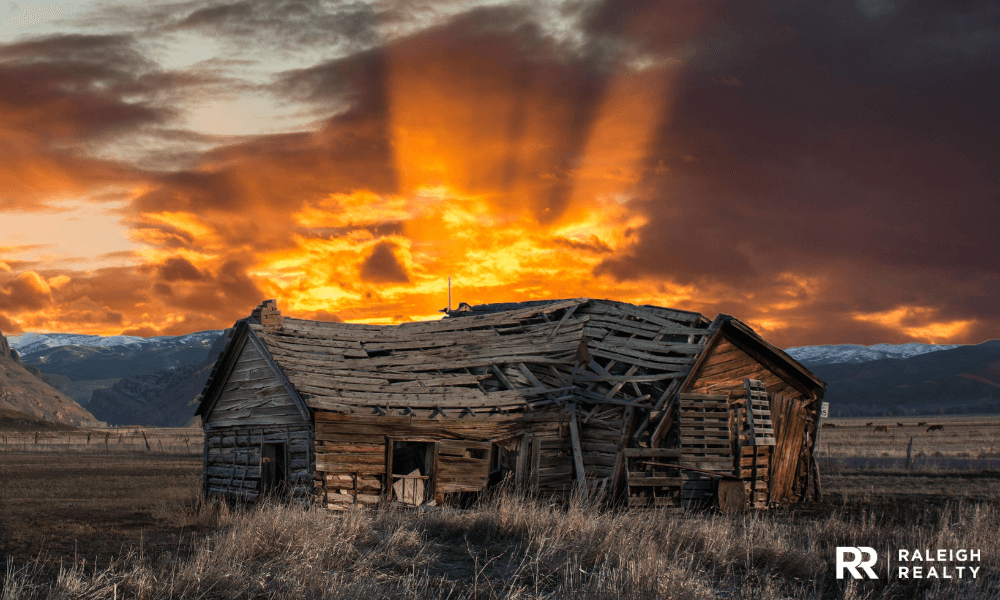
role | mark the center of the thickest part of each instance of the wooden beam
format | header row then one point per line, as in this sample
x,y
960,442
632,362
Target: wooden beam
x,y
574,435
565,317
621,461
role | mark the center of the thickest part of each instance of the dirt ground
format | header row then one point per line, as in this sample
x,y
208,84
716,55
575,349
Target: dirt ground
x,y
91,505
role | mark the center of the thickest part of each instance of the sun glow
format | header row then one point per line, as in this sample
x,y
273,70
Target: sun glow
x,y
918,322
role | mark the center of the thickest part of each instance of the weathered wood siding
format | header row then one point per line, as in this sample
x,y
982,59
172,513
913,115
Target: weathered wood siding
x,y
350,446
599,442
254,409
728,365
253,395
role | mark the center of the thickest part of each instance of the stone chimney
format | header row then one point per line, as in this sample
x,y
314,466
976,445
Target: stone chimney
x,y
268,315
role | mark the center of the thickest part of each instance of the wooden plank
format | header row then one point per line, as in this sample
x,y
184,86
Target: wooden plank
x,y
654,482
574,436
653,452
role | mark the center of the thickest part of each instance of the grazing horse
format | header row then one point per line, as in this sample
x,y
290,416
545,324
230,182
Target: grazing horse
x,y
881,428
868,424
935,428
900,424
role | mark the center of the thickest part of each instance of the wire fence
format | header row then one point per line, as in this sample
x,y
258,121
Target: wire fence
x,y
179,440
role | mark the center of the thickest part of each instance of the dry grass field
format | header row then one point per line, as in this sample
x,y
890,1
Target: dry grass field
x,y
87,523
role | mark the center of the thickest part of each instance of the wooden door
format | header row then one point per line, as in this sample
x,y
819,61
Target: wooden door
x,y
789,417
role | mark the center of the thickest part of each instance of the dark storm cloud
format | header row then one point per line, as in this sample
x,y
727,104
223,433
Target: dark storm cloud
x,y
285,24
180,269
858,148
382,266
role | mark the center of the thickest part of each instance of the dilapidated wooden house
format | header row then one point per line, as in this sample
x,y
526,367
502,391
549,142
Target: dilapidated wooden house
x,y
635,404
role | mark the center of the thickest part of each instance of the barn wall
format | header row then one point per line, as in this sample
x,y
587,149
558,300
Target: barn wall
x,y
724,371
355,446
253,408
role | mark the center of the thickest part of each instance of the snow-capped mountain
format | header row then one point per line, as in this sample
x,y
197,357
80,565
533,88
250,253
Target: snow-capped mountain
x,y
122,377
30,344
854,353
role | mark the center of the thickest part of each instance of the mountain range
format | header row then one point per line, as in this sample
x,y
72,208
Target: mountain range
x,y
127,380
811,356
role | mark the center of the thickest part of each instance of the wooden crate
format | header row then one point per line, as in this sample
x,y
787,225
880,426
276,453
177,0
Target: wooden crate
x,y
705,440
653,477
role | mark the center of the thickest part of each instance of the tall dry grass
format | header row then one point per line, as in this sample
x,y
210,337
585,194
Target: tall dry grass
x,y
510,547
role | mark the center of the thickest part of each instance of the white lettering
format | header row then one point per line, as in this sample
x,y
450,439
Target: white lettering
x,y
918,572
959,569
904,572
974,570
961,555
942,555
917,555
904,555
932,573
974,555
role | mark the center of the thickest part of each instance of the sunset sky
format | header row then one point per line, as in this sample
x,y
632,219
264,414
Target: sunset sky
x,y
826,171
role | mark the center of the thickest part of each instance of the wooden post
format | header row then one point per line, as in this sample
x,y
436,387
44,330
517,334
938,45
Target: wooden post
x,y
574,434
909,455
536,451
621,461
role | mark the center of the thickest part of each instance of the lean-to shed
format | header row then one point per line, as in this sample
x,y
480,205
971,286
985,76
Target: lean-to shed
x,y
640,404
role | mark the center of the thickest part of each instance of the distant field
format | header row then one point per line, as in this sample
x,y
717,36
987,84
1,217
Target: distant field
x,y
964,437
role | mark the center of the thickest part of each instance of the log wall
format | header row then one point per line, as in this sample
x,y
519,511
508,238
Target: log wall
x,y
233,457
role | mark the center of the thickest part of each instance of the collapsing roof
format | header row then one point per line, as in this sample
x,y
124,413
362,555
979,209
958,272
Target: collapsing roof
x,y
492,357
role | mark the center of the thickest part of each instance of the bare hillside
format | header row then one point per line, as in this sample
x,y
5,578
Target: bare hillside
x,y
24,392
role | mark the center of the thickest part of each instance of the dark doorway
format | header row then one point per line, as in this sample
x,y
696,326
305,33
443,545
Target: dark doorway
x,y
273,469
411,468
